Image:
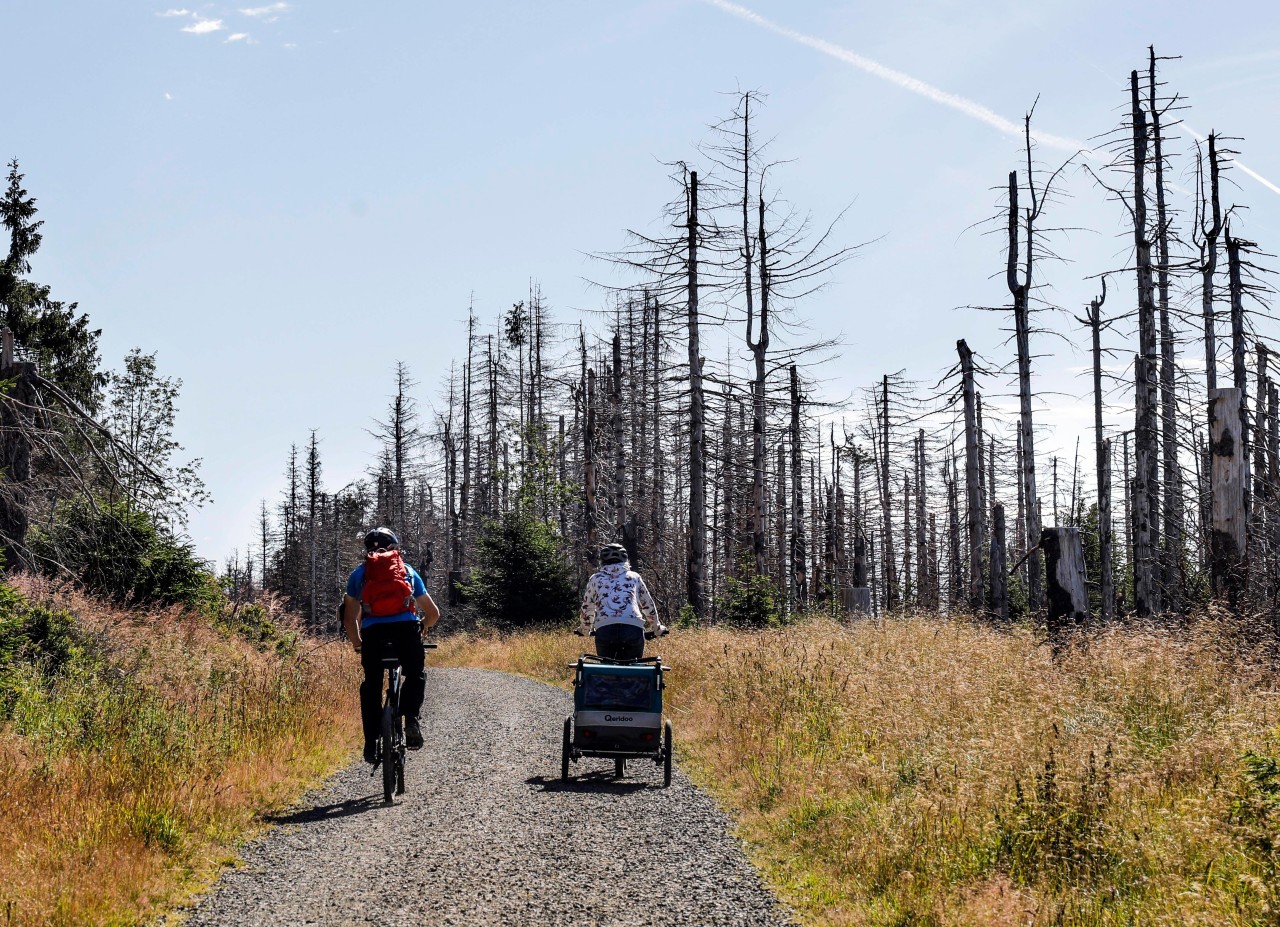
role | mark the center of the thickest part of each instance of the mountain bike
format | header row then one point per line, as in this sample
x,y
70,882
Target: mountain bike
x,y
392,748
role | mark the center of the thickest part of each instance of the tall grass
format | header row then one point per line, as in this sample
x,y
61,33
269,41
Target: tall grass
x,y
129,765
932,772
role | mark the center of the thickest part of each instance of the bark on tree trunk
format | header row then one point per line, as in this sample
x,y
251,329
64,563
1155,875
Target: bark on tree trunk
x,y
1227,485
1064,574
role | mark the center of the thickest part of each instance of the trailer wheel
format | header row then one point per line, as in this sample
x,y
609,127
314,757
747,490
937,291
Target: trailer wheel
x,y
619,767
667,751
565,745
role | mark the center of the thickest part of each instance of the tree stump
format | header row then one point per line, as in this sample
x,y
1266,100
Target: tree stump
x,y
856,600
1064,570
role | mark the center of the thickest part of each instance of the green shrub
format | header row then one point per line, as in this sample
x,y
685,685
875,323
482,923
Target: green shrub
x,y
750,603
121,553
522,576
37,643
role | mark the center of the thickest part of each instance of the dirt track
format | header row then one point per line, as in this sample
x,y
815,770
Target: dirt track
x,y
487,835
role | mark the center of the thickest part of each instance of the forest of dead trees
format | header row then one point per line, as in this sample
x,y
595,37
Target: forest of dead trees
x,y
684,418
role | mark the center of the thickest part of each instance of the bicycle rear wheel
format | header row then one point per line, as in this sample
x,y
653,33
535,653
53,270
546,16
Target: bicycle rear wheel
x,y
390,756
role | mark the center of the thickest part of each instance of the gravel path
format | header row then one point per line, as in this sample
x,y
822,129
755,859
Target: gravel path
x,y
487,835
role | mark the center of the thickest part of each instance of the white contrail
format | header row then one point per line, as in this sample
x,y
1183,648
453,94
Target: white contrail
x,y
1252,173
969,107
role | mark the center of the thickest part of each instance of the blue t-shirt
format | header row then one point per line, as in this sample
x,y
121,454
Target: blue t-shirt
x,y
356,581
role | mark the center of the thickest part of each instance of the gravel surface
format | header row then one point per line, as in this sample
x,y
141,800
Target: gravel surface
x,y
487,835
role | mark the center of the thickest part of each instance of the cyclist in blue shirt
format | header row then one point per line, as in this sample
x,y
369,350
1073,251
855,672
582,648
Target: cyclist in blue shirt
x,y
400,634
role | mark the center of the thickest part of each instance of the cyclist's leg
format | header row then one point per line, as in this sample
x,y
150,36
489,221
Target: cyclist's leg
x,y
413,663
620,642
371,687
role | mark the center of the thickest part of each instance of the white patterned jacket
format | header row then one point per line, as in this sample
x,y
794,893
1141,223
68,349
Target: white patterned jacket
x,y
616,594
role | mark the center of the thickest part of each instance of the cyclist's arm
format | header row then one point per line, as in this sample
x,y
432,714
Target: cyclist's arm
x,y
351,619
648,608
590,607
428,611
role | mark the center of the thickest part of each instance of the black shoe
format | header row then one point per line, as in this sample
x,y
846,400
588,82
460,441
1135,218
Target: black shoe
x,y
412,734
371,751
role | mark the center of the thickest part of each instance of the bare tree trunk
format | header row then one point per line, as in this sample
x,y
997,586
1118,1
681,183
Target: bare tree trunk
x,y
1171,514
1239,349
780,527
1209,264
589,472
619,446
695,566
956,594
1102,450
1128,514
999,555
972,456
799,551
1106,582
464,502
922,548
1146,526
1021,292
1227,483
886,506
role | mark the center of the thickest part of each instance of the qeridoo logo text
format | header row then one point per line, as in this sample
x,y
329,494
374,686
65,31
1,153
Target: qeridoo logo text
x,y
618,718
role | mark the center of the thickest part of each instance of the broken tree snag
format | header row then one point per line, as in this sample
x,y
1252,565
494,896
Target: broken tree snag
x,y
858,600
1106,581
16,408
972,494
999,576
1227,476
1064,580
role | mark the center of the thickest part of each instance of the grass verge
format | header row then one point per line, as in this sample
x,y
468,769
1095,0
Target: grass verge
x,y
933,772
136,748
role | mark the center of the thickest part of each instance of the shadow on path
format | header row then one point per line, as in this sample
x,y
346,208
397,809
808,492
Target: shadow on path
x,y
319,813
595,782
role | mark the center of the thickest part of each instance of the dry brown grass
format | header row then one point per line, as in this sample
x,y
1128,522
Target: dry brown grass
x,y
126,782
935,772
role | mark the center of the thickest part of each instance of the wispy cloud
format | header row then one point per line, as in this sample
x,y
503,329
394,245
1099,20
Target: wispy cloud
x,y
168,97
268,12
970,108
1234,161
169,14
204,26
237,37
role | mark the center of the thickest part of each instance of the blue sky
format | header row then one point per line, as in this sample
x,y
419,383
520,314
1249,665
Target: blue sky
x,y
284,199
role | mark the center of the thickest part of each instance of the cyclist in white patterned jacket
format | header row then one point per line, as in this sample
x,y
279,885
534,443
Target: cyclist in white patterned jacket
x,y
617,606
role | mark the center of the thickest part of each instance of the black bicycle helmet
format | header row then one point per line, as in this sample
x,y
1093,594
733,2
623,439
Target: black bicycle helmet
x,y
381,539
613,553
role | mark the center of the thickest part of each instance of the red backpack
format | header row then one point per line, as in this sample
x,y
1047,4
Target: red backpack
x,y
386,590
